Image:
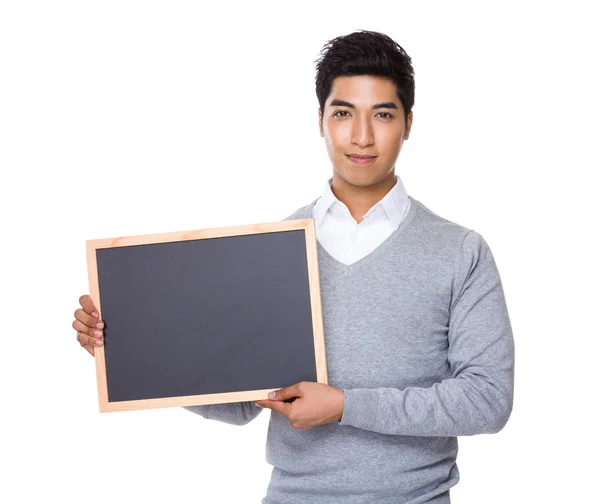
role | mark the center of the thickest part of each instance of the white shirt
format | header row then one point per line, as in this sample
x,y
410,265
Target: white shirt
x,y
345,239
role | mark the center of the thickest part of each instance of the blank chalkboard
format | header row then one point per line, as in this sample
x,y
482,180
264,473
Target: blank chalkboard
x,y
206,316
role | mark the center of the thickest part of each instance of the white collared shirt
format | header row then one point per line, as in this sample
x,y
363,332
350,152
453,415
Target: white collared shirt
x,y
345,239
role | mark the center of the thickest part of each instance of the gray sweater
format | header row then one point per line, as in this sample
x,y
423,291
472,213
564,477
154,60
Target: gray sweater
x,y
418,336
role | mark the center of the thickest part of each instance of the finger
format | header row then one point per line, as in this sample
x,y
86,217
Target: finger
x,y
286,393
88,305
88,320
89,349
279,407
90,331
86,339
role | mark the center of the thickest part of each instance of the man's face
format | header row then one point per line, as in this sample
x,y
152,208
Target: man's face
x,y
363,117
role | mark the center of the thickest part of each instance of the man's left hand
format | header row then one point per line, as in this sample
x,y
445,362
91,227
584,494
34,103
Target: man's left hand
x,y
312,404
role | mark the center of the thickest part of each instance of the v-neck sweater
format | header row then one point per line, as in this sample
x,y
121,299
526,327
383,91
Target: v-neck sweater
x,y
418,337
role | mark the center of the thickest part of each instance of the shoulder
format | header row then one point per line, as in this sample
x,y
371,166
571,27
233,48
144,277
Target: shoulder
x,y
442,231
448,242
304,212
455,249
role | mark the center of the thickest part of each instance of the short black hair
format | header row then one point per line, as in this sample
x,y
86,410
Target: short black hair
x,y
365,52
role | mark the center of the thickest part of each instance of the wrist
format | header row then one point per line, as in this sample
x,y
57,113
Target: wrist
x,y
340,411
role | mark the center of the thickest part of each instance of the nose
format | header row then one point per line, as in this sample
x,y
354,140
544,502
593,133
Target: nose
x,y
362,132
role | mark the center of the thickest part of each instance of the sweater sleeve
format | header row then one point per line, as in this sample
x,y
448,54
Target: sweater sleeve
x,y
239,413
478,396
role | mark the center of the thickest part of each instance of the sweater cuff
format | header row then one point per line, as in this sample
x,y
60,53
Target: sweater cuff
x,y
360,408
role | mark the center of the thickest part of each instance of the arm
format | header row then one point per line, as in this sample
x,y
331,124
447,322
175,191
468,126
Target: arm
x,y
239,413
478,397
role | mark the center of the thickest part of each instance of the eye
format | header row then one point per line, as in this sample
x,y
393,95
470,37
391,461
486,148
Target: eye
x,y
341,113
386,115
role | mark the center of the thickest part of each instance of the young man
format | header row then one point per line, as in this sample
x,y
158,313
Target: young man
x,y
419,341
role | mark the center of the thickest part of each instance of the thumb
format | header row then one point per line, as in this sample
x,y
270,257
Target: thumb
x,y
285,393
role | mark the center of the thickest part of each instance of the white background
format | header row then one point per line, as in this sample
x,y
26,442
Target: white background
x,y
121,118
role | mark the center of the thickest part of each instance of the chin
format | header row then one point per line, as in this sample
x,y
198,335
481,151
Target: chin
x,y
357,178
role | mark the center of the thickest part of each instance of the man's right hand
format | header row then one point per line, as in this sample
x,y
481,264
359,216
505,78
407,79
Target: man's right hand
x,y
88,325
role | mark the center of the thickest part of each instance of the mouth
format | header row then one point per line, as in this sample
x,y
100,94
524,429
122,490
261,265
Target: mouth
x,y
361,160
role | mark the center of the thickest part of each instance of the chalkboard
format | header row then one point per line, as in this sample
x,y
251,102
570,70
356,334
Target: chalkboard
x,y
206,316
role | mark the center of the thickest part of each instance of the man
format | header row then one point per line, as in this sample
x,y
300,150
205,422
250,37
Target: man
x,y
419,341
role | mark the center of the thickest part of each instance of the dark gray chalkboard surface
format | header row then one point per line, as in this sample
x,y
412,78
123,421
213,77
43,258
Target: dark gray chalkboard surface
x,y
207,316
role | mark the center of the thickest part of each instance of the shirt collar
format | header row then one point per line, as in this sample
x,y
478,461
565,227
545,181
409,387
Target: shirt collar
x,y
394,204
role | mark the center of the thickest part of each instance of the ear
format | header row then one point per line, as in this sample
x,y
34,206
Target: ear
x,y
320,122
409,121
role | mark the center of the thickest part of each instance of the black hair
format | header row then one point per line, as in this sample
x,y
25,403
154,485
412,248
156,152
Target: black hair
x,y
365,52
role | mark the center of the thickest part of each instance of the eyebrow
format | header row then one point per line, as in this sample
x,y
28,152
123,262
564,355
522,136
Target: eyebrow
x,y
342,103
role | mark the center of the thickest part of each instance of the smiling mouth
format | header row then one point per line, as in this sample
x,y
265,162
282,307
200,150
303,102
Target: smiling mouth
x,y
361,160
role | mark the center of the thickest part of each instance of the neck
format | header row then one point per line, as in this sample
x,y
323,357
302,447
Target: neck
x,y
359,200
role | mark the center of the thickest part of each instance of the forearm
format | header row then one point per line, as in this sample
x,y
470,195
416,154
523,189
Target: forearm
x,y
239,413
460,406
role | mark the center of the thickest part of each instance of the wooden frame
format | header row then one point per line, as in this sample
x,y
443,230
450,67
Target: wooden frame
x,y
315,302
